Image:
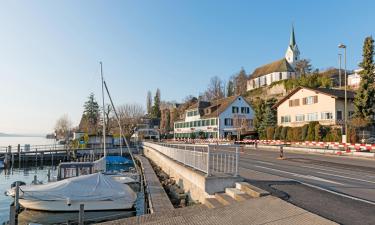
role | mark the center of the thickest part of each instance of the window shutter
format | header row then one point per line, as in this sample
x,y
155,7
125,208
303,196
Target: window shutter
x,y
304,101
315,99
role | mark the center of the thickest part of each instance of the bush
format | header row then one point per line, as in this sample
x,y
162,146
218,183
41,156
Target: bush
x,y
283,133
289,134
297,133
270,131
311,131
352,135
304,132
276,135
318,132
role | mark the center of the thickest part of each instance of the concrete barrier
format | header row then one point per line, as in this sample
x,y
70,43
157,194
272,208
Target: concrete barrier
x,y
195,183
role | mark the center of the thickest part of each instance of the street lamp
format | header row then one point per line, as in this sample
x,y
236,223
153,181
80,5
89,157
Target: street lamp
x,y
344,136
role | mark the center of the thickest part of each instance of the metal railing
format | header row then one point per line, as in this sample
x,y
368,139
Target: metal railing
x,y
209,159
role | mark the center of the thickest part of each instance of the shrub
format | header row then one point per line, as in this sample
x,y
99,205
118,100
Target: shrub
x,y
304,132
289,134
352,135
283,133
318,132
311,131
276,135
297,133
270,132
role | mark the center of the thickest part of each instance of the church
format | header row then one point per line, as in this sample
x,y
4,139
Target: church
x,y
279,70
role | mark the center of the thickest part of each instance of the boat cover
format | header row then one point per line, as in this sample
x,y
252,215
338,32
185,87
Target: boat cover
x,y
92,187
117,160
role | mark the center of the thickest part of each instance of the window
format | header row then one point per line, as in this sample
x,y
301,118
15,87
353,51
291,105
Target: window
x,y
245,110
234,109
285,119
228,122
191,124
293,102
300,118
312,116
339,115
195,123
310,100
280,76
326,116
213,121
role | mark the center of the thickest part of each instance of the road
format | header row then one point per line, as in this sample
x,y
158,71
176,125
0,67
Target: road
x,y
339,188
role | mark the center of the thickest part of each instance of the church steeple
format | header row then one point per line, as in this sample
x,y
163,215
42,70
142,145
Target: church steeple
x,y
292,41
292,53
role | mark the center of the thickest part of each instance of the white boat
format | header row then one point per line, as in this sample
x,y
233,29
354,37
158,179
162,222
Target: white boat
x,y
97,192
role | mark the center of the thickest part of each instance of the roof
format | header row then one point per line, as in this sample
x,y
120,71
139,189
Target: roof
x,y
220,105
292,41
336,93
281,65
202,104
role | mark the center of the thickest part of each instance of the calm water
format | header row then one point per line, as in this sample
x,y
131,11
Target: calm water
x,y
13,141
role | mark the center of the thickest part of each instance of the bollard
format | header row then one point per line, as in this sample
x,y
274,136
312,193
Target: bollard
x,y
81,214
256,145
12,215
281,151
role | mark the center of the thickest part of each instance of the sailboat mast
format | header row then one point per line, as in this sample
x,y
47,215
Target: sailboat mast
x,y
104,135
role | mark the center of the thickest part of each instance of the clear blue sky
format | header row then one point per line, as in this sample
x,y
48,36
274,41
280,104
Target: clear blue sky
x,y
50,50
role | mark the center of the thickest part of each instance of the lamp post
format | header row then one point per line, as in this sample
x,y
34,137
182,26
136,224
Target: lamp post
x,y
340,81
344,136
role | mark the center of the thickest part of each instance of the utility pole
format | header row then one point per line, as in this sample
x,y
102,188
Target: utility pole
x,y
345,133
104,135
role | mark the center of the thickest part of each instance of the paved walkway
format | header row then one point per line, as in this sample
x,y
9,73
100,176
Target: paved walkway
x,y
255,211
158,198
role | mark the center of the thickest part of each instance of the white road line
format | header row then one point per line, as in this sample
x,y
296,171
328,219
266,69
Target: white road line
x,y
339,194
330,174
267,163
336,171
301,176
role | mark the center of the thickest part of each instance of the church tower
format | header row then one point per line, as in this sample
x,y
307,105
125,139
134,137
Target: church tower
x,y
292,53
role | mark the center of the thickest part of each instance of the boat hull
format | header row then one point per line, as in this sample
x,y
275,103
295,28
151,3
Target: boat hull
x,y
62,206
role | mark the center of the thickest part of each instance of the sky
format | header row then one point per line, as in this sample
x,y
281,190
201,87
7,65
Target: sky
x,y
50,50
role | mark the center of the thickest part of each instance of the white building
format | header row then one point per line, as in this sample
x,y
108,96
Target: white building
x,y
220,118
354,79
304,105
278,70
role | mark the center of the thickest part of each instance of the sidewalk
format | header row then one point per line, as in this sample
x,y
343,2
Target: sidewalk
x,y
255,211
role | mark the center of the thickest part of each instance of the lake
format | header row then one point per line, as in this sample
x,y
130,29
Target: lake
x,y
14,141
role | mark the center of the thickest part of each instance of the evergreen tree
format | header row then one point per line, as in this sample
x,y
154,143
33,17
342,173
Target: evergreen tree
x,y
364,98
268,117
258,106
149,102
230,88
156,113
91,112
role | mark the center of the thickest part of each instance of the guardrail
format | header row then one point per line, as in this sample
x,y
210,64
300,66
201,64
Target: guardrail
x,y
209,159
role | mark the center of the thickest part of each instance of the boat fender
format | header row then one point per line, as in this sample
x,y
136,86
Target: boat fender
x,y
68,202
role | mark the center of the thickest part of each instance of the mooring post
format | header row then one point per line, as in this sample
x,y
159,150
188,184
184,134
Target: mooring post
x,y
19,153
49,175
16,198
237,161
12,215
35,181
81,214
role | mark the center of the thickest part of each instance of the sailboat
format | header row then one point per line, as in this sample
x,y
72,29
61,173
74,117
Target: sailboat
x,y
98,191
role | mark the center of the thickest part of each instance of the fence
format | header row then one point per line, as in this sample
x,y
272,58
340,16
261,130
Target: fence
x,y
209,159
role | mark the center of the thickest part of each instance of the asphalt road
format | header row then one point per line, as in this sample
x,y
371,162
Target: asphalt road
x,y
338,188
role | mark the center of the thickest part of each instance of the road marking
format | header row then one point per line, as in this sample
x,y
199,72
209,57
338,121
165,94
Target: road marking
x,y
337,171
339,194
372,182
301,176
267,163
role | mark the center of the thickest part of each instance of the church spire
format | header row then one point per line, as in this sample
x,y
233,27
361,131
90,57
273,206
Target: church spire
x,y
292,41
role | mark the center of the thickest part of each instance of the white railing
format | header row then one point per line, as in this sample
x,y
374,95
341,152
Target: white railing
x,y
209,159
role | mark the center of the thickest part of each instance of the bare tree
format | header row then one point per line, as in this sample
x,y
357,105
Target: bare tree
x,y
240,81
130,115
303,67
63,126
241,124
215,89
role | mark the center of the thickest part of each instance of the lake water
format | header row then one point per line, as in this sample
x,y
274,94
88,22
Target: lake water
x,y
14,141
26,173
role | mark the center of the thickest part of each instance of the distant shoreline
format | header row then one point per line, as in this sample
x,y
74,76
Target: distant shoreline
x,y
20,135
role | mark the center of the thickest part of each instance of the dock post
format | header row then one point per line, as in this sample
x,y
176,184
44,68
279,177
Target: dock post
x,y
208,160
35,180
41,157
81,214
12,215
49,175
19,153
16,198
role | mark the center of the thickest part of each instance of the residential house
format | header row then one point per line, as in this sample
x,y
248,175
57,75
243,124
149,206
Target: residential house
x,y
303,105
